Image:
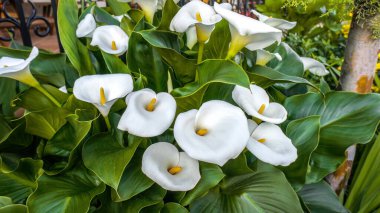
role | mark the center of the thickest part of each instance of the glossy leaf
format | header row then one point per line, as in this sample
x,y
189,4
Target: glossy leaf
x,y
114,64
237,166
320,198
119,8
346,119
20,183
168,12
219,42
290,64
77,53
150,197
107,158
103,17
69,192
304,134
255,192
173,208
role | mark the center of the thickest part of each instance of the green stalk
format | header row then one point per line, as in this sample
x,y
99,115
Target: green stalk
x,y
47,94
107,120
200,52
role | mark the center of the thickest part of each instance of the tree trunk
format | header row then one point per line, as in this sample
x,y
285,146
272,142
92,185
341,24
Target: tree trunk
x,y
357,76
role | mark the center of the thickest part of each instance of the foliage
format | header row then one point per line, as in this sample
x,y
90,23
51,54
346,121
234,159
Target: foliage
x,y
65,159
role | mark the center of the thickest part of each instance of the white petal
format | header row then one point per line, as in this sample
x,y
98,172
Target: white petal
x,y
251,33
63,89
86,26
314,66
280,24
277,148
261,16
105,35
191,37
226,6
251,126
87,88
160,157
226,137
149,8
138,121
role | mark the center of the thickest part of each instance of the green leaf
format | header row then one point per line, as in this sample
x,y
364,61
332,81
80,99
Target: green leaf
x,y
304,134
346,119
238,166
143,58
45,123
101,16
107,158
266,76
320,198
211,175
5,130
77,53
119,8
114,64
209,71
14,208
255,192
150,197
133,181
5,201
290,64
8,88
173,208
69,192
168,12
219,42
46,67
20,183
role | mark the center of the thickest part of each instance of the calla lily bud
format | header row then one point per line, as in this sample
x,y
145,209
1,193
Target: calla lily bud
x,y
215,133
255,102
86,26
148,114
280,24
269,144
110,39
247,32
169,168
198,14
103,90
18,69
314,66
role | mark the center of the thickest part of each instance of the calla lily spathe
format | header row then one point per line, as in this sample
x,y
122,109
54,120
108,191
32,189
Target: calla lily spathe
x,y
280,24
102,90
120,18
215,133
263,57
86,26
148,114
269,144
247,32
197,19
169,168
255,102
18,69
314,66
110,39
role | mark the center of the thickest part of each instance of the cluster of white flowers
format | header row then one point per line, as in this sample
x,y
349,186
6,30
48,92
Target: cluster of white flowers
x,y
216,132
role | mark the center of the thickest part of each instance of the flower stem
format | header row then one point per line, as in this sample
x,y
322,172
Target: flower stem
x,y
200,52
47,94
107,120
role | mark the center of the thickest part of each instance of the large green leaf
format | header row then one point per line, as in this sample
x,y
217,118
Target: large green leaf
x,y
107,158
173,208
5,130
346,119
209,71
69,192
237,166
103,17
46,67
150,197
266,76
8,92
119,8
320,198
143,58
266,191
219,42
114,64
133,180
290,64
211,175
20,183
168,12
77,53
304,134
7,206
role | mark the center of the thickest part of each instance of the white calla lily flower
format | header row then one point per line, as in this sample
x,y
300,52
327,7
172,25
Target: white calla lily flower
x,y
149,7
18,69
255,102
263,57
215,133
269,144
280,24
148,114
247,32
86,26
102,90
63,89
314,66
169,168
110,39
120,18
198,14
